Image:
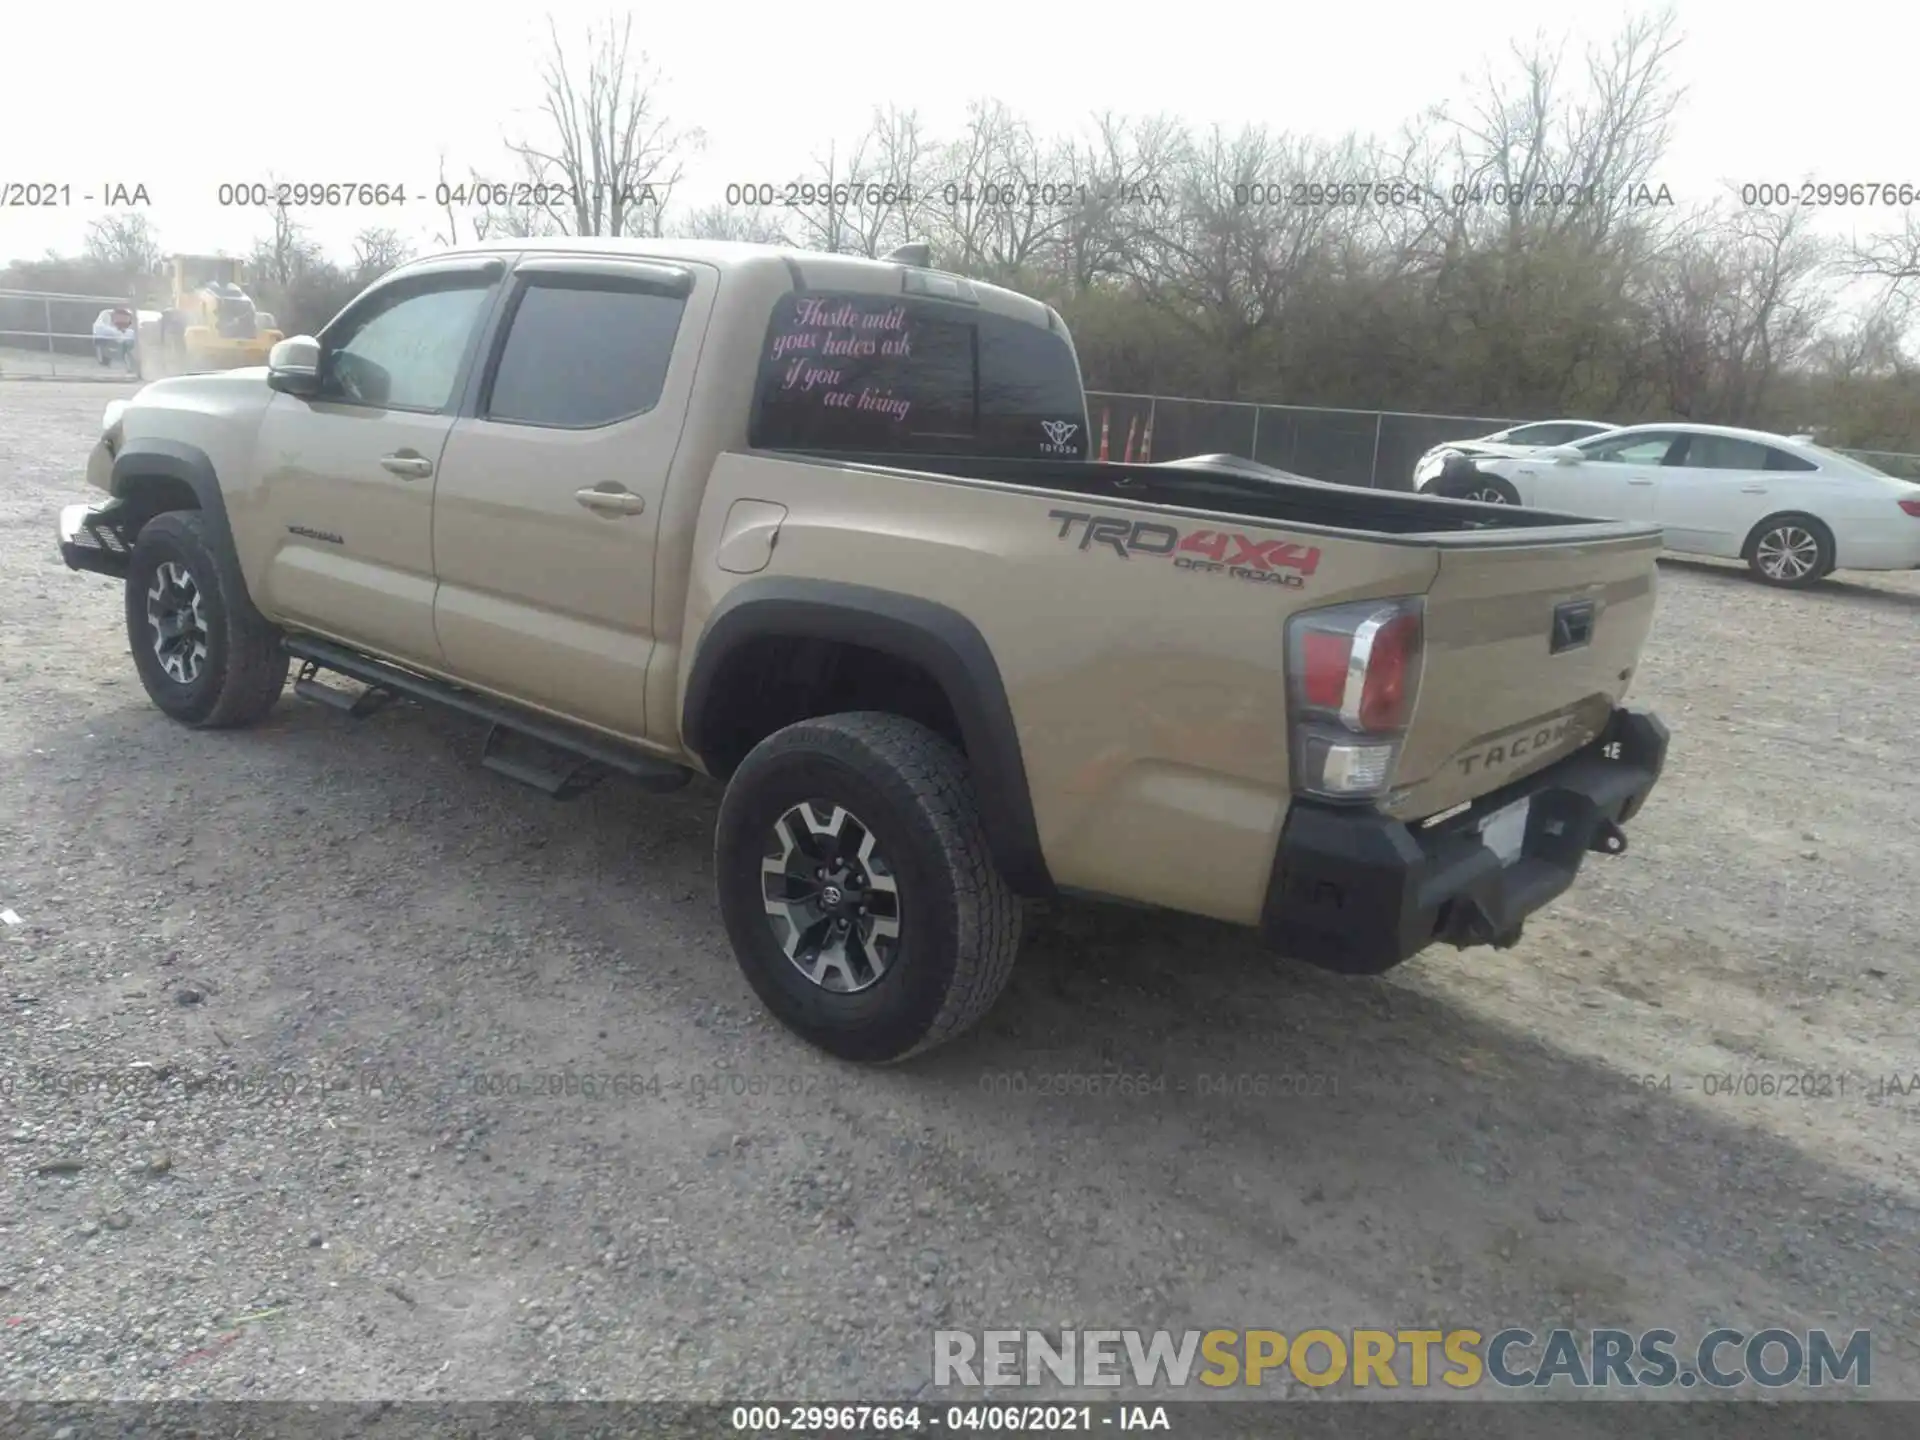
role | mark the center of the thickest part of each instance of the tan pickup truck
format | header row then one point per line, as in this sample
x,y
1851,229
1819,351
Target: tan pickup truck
x,y
825,529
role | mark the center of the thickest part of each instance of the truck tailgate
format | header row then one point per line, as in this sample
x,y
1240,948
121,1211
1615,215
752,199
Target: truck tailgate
x,y
1531,639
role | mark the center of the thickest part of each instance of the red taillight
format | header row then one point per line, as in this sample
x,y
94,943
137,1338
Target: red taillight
x,y
1353,673
1323,668
1386,700
1374,642
1912,507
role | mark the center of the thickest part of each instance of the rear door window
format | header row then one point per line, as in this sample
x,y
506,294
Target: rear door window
x,y
583,352
884,374
1724,452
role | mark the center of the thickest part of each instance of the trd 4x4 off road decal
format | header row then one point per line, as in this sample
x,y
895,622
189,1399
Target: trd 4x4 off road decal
x,y
1214,552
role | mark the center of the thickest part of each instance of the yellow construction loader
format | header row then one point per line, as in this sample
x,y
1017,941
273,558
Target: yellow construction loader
x,y
209,320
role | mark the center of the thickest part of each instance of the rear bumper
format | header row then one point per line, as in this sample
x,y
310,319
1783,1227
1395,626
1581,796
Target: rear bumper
x,y
90,539
1359,892
1898,552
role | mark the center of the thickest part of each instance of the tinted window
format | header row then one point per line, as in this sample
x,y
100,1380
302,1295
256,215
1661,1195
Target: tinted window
x,y
1724,452
1781,460
1648,449
405,349
875,373
584,352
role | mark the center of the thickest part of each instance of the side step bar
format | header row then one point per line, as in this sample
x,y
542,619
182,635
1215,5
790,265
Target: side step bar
x,y
374,697
574,758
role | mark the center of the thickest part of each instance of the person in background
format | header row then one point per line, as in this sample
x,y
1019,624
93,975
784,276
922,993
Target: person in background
x,y
115,333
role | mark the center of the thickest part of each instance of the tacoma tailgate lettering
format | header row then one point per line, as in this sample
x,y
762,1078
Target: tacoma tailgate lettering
x,y
1520,746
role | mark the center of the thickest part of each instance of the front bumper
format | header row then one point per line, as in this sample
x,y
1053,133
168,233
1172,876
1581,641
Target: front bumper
x,y
90,539
1359,892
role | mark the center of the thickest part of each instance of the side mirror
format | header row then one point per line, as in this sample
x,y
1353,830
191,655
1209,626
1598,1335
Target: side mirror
x,y
293,366
1563,454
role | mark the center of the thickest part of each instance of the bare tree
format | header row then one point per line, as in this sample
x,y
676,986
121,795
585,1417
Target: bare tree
x,y
285,252
376,250
610,159
1128,175
871,196
1226,269
1537,155
1738,302
126,245
962,179
1893,259
999,196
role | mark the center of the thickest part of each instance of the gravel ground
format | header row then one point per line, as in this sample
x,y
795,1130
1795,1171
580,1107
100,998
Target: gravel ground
x,y
316,959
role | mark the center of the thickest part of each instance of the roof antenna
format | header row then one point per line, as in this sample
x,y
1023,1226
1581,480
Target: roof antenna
x,y
918,253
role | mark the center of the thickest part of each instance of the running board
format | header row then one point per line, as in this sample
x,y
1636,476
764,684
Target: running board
x,y
369,700
565,758
557,774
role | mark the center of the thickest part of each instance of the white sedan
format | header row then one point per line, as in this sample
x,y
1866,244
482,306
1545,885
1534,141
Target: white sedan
x,y
1514,440
1792,510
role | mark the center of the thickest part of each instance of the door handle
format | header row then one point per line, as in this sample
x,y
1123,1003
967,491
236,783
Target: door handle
x,y
407,467
1753,489
1639,479
619,502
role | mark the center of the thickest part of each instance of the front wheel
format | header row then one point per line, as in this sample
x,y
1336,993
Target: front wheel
x,y
205,656
857,888
1793,551
1485,489
1462,479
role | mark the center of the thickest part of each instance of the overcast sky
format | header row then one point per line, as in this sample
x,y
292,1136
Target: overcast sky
x,y
182,97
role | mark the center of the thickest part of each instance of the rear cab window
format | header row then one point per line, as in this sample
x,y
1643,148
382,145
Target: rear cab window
x,y
884,374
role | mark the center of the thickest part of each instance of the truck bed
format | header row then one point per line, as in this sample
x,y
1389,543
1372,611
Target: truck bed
x,y
1231,485
1496,683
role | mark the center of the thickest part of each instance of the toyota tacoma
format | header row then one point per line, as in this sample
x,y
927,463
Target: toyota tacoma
x,y
827,529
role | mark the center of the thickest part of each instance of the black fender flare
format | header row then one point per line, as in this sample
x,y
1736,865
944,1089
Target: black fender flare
x,y
151,457
939,640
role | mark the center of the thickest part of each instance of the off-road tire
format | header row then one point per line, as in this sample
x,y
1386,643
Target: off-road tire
x,y
245,666
959,920
1765,545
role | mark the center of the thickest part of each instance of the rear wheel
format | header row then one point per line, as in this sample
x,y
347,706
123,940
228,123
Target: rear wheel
x,y
1463,480
205,656
1793,551
857,888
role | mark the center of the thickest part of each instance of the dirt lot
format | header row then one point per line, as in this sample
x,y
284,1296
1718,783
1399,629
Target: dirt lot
x,y
317,958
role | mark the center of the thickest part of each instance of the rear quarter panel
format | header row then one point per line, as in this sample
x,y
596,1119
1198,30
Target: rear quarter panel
x,y
1149,700
1870,531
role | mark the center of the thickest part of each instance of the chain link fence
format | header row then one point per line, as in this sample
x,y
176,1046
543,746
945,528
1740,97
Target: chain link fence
x,y
1375,448
50,337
